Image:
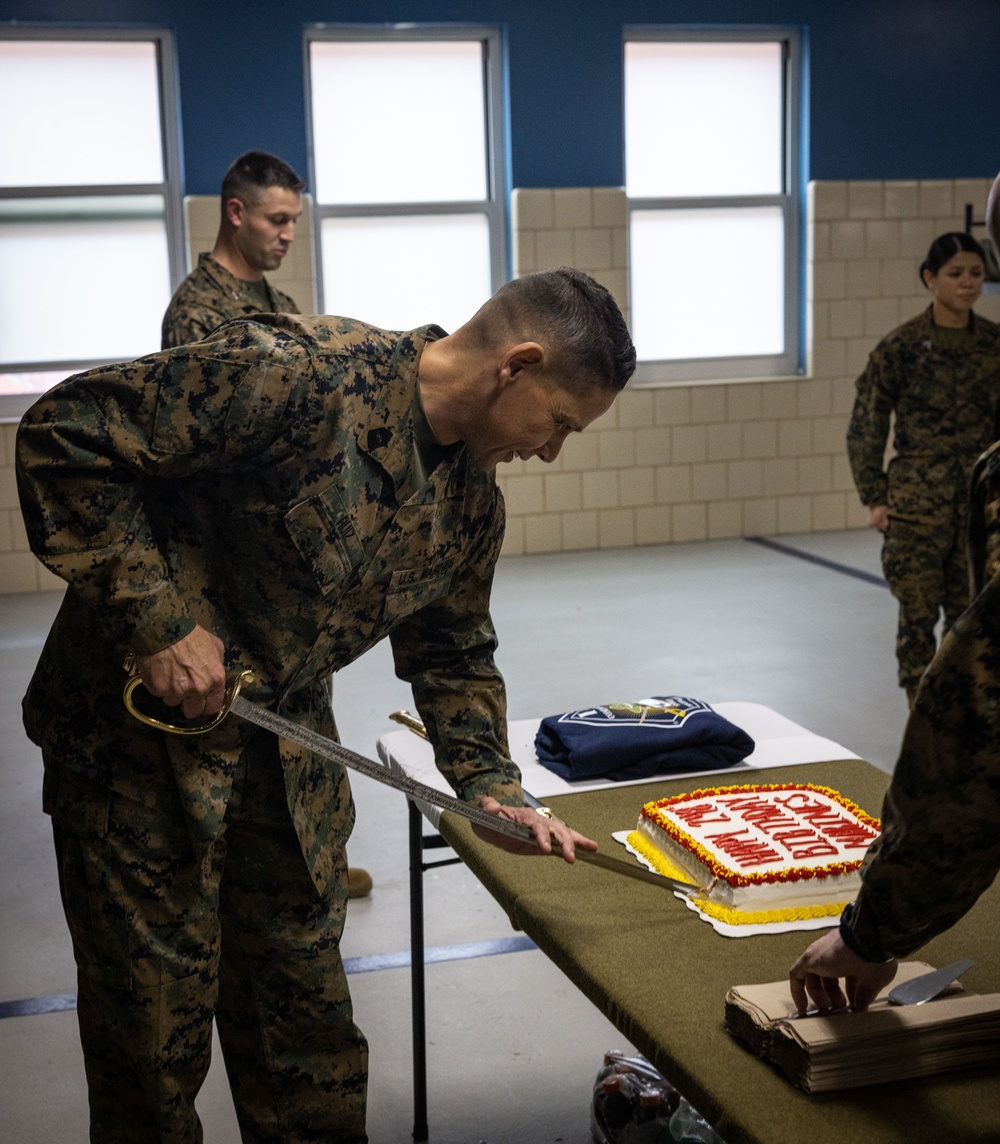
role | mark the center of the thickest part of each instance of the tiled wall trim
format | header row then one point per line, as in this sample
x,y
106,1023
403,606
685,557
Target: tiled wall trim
x,y
680,462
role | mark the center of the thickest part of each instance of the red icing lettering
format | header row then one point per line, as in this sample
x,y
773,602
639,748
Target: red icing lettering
x,y
696,814
821,818
759,811
740,802
799,802
745,851
768,819
818,850
852,836
800,835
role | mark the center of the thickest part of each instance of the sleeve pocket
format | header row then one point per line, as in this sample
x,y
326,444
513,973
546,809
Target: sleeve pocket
x,y
327,541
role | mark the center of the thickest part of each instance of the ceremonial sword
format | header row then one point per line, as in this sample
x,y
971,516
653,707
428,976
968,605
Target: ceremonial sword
x,y
333,751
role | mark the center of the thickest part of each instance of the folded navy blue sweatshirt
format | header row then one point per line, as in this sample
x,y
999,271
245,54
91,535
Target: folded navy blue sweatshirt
x,y
660,735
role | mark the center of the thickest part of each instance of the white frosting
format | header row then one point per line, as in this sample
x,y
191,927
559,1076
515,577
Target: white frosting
x,y
777,832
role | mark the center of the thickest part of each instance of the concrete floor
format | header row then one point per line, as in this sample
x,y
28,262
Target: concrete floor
x,y
513,1047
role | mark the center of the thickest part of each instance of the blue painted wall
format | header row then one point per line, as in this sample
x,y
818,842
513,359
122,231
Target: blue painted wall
x,y
898,89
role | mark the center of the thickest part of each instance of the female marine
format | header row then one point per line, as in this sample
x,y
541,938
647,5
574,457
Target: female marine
x,y
939,374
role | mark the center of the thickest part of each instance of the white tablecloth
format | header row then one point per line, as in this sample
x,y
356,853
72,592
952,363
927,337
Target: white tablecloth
x,y
779,743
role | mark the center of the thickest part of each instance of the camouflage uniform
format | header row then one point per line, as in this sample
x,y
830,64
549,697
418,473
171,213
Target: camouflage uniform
x,y
984,523
943,386
262,484
209,296
940,845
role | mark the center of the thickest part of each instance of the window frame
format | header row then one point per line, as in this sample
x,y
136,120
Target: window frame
x,y
14,405
494,206
764,367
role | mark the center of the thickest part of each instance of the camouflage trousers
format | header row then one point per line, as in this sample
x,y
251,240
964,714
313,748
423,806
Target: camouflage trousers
x,y
166,940
926,566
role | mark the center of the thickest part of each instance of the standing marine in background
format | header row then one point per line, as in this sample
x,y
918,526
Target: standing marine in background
x,y
261,203
939,374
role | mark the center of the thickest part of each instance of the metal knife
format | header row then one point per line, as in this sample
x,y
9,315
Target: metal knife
x,y
336,752
928,985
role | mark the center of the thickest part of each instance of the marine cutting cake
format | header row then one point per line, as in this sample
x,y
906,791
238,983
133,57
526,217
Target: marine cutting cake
x,y
764,853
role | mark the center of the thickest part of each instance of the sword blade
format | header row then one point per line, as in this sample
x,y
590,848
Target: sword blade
x,y
336,752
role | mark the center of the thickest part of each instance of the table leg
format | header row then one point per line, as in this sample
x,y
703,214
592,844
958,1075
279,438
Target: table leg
x,y
418,1003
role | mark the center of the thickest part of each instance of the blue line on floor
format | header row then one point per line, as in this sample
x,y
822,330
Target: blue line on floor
x,y
833,565
439,953
54,1003
62,1002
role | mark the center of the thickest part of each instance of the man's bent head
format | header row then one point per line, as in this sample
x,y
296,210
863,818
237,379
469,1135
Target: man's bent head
x,y
573,316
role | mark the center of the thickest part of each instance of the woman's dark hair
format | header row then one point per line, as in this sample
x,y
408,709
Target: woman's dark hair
x,y
945,247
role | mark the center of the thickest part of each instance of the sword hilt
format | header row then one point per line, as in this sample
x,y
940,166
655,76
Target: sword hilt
x,y
135,680
410,721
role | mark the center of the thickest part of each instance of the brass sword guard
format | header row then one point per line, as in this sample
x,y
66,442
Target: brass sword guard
x,y
411,722
135,680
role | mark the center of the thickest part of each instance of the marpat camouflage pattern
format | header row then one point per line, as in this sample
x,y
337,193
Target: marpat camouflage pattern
x,y
209,296
263,484
943,386
940,842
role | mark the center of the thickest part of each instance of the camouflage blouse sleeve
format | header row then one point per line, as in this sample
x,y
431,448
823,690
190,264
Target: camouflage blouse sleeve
x,y
445,652
877,392
940,846
86,448
984,518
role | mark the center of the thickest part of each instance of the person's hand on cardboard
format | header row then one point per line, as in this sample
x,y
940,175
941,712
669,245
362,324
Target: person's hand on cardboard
x,y
817,974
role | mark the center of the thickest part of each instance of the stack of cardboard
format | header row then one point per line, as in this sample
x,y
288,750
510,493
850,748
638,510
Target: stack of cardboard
x,y
819,1052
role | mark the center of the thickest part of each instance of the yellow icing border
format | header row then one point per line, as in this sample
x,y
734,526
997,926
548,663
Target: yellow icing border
x,y
662,863
726,913
762,917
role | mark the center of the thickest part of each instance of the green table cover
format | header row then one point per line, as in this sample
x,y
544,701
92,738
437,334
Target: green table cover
x,y
660,975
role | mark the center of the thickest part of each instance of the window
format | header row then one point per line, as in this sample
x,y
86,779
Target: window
x,y
711,173
407,162
90,227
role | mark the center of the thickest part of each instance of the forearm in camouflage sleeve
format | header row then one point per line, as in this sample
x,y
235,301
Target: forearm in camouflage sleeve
x,y
984,519
868,430
445,652
84,451
940,847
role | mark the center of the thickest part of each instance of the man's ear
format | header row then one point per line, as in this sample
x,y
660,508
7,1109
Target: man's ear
x,y
235,210
517,359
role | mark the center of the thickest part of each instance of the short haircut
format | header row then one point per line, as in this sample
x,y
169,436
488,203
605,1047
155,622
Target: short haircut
x,y
945,247
251,174
573,316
